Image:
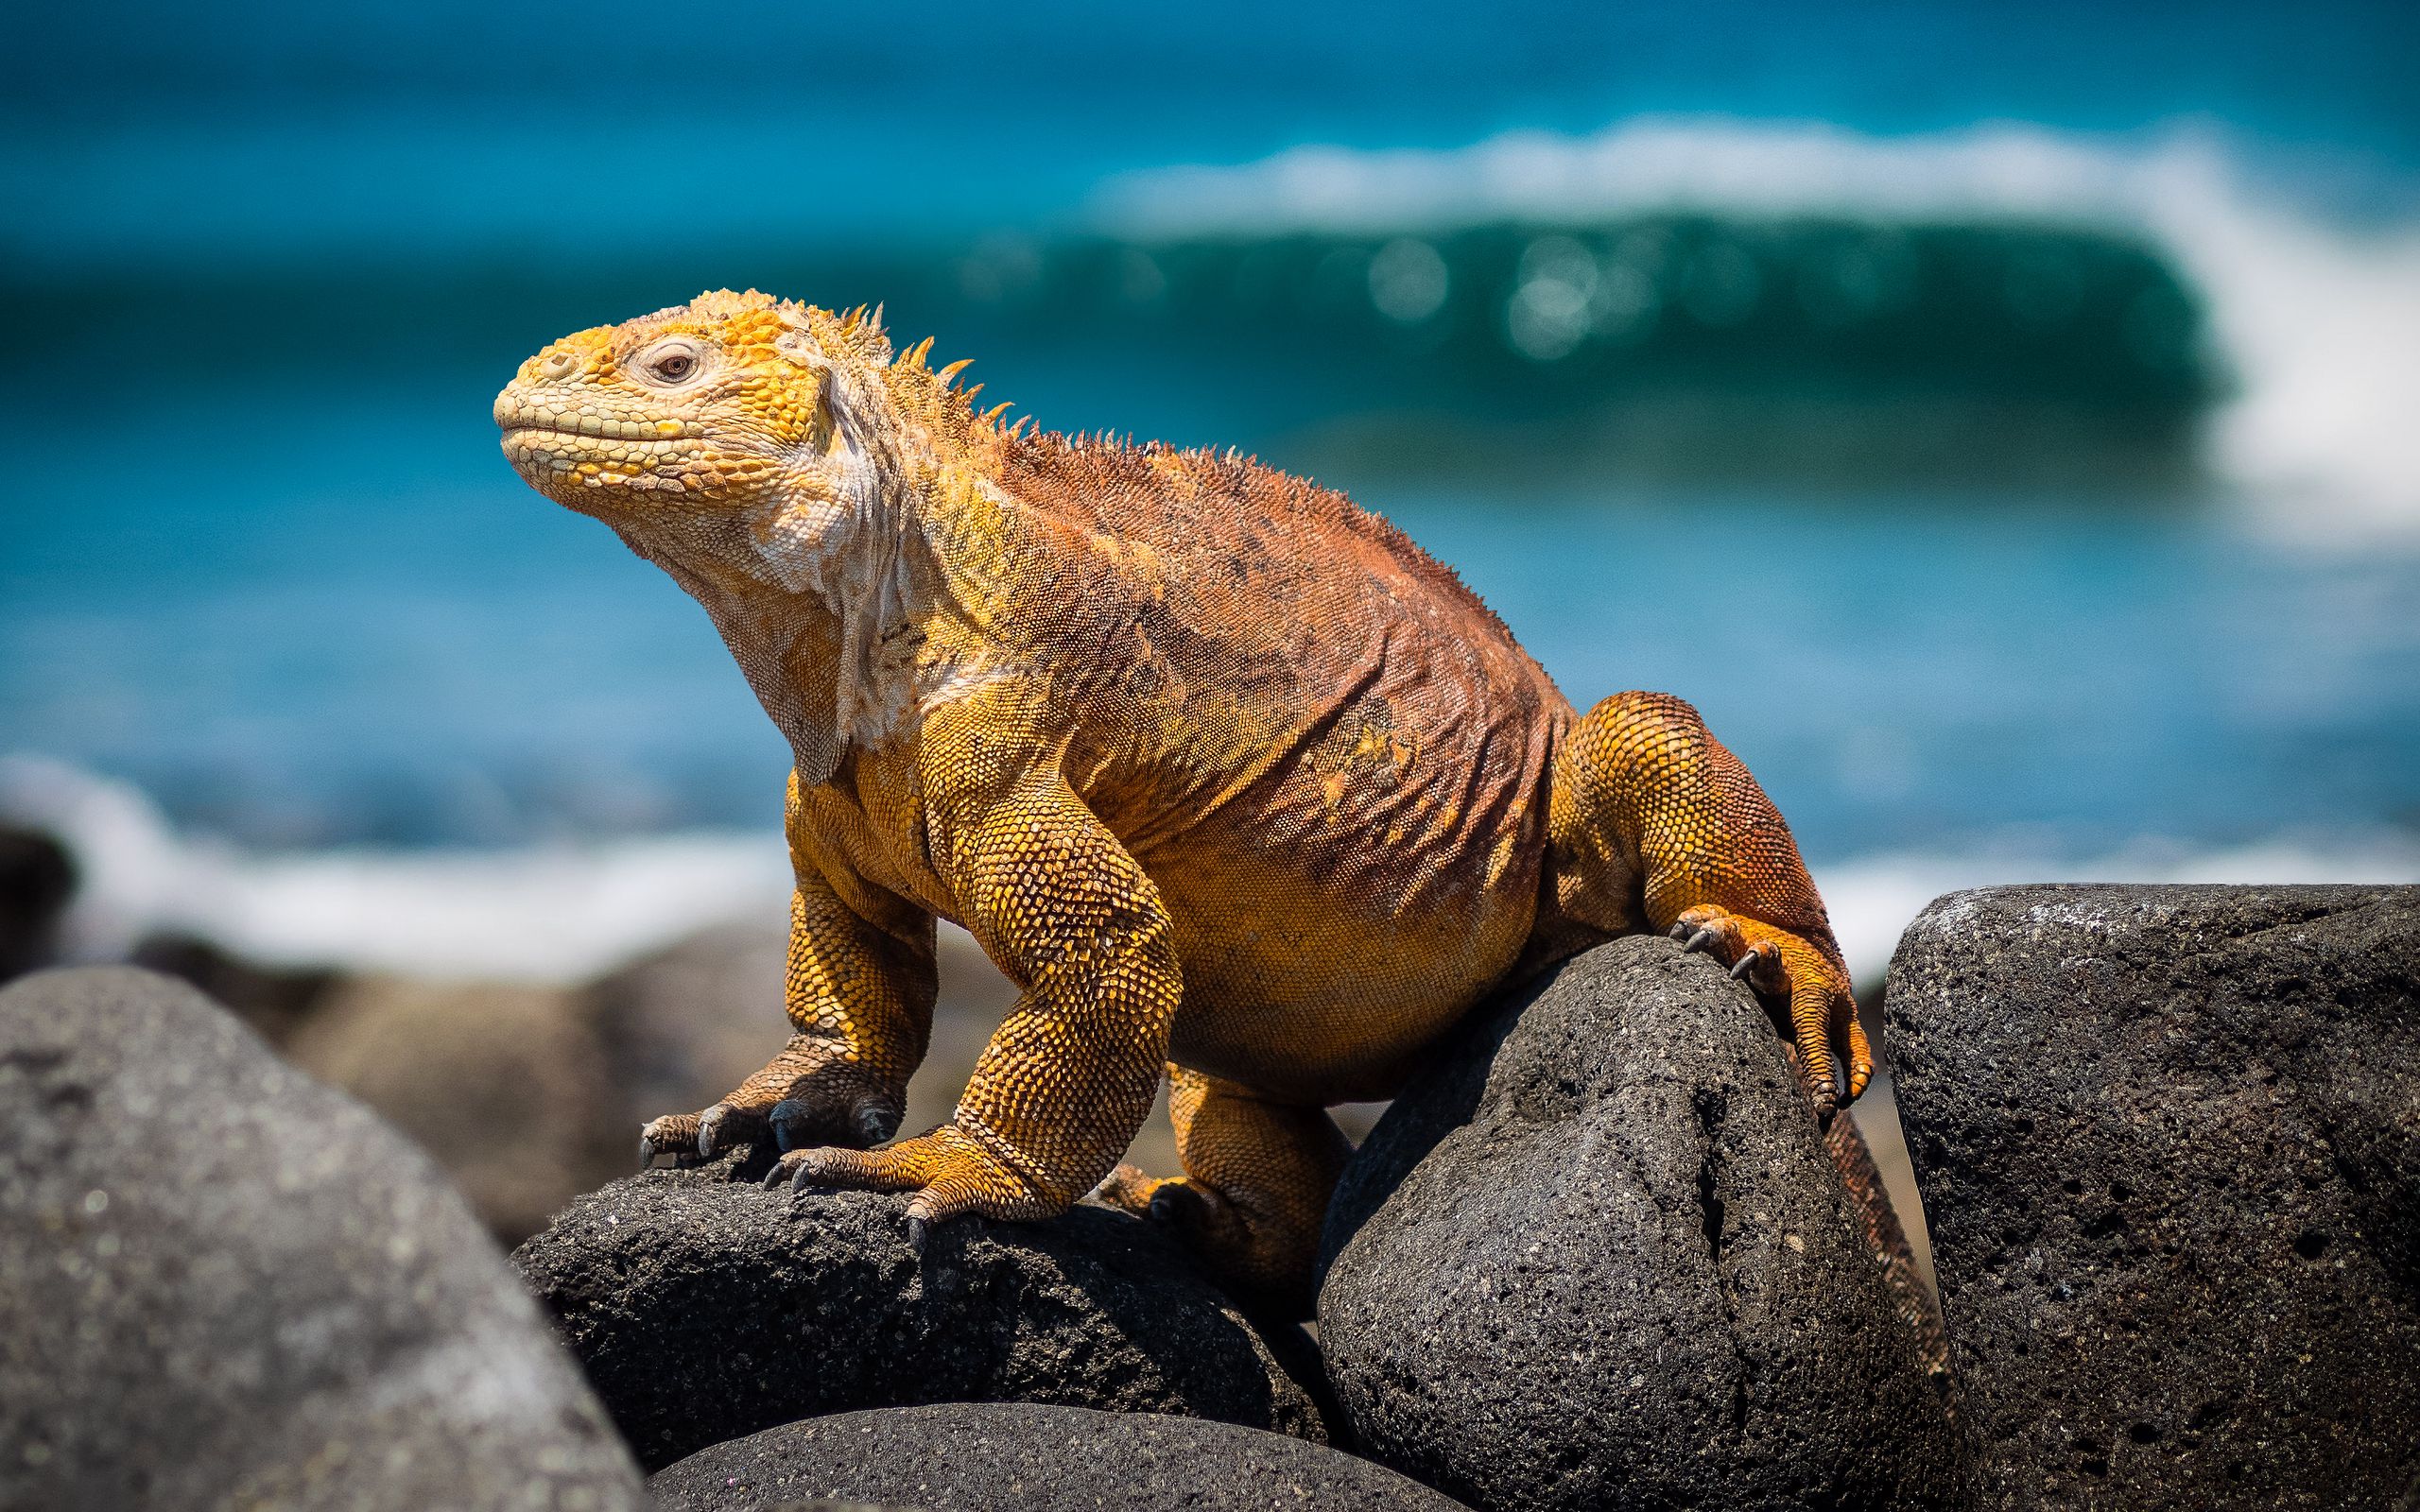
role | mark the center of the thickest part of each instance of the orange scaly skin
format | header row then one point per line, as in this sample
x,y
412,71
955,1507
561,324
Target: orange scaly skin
x,y
1226,774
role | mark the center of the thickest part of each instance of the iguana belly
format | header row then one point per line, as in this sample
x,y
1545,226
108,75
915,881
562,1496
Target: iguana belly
x,y
1335,921
1303,999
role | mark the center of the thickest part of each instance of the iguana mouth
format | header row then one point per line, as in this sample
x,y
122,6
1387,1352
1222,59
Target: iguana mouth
x,y
534,418
552,451
595,428
551,447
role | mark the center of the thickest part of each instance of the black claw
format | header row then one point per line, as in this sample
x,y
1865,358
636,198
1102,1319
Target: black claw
x,y
775,1176
708,1122
917,1233
1703,939
1740,968
1678,932
804,1177
875,1124
646,1147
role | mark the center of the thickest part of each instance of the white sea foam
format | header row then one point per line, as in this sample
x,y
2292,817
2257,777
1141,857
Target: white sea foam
x,y
1874,899
565,913
550,913
2318,324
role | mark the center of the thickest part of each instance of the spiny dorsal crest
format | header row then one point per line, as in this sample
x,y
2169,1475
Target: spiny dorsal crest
x,y
856,338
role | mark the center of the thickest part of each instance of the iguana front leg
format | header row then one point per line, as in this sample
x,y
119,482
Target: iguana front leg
x,y
1650,810
1069,1077
861,995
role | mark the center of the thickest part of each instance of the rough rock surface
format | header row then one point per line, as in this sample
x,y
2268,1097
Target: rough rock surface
x,y
2169,1140
229,1286
987,1456
1600,1257
705,1309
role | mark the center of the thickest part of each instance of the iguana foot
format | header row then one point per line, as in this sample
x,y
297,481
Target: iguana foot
x,y
1831,1052
1258,1175
950,1170
689,1138
808,1096
1205,1217
1268,1265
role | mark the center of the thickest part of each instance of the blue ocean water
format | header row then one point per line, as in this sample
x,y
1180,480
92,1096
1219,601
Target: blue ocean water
x,y
1996,419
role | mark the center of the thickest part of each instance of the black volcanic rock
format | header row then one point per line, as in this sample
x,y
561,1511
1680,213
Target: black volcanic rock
x,y
705,1309
37,883
983,1457
1600,1257
223,1284
2168,1138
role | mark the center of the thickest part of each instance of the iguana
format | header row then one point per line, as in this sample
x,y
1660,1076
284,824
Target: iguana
x,y
1228,776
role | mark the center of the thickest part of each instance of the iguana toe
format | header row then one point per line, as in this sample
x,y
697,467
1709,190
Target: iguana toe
x,y
690,1138
723,1127
674,1134
1829,1048
950,1172
800,1122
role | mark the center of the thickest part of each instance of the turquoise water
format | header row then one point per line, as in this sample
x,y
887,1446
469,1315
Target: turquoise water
x,y
385,637
2000,510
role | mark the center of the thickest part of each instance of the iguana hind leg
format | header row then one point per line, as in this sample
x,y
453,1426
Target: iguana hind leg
x,y
1650,815
1257,1176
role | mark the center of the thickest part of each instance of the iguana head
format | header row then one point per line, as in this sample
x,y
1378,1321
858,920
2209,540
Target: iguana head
x,y
767,454
699,407
731,406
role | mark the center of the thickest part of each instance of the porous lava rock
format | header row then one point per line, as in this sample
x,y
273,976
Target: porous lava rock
x,y
229,1286
982,1457
2169,1138
1599,1256
706,1308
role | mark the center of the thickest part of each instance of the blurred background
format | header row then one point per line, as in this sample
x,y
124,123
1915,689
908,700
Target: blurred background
x,y
2003,422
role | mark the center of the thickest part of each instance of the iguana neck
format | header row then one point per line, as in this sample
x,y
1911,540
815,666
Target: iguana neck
x,y
827,592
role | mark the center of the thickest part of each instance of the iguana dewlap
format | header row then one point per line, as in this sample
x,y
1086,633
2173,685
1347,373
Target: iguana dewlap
x,y
1224,772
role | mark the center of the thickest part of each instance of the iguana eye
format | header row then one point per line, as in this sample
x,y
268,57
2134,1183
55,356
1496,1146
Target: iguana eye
x,y
670,364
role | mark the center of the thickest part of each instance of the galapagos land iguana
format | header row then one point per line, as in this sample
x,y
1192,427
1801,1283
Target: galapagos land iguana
x,y
1232,781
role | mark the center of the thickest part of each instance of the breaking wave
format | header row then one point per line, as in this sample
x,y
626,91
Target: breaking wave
x,y
565,913
2311,323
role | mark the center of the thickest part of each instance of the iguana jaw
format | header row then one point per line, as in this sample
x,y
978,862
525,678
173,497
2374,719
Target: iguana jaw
x,y
571,457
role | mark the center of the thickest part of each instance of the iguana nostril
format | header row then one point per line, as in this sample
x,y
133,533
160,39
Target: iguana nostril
x,y
555,364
